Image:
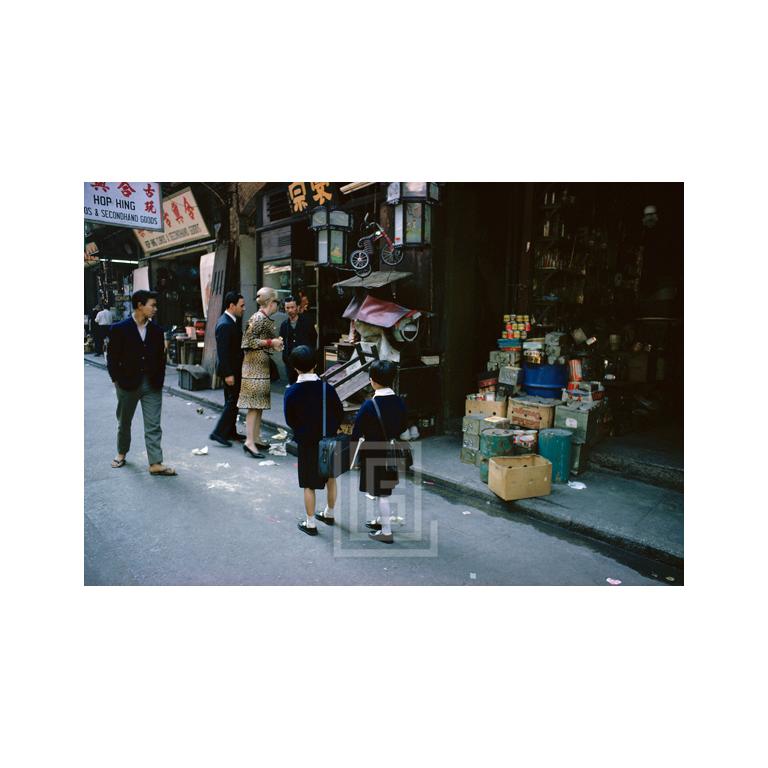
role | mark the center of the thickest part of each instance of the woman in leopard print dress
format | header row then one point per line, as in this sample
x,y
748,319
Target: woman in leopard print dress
x,y
259,339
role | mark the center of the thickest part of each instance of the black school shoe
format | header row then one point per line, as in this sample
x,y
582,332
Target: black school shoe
x,y
327,520
384,538
373,525
309,531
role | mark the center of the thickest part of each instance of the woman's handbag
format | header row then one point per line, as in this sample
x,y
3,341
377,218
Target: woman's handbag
x,y
333,451
274,374
399,454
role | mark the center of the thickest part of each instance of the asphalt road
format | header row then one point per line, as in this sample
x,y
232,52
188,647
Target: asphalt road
x,y
226,520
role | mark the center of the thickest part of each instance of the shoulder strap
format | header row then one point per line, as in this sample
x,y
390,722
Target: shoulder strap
x,y
324,422
381,421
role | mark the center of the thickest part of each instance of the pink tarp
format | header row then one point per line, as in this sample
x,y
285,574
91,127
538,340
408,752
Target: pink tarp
x,y
384,314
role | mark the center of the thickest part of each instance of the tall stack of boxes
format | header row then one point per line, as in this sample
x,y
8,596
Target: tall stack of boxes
x,y
502,422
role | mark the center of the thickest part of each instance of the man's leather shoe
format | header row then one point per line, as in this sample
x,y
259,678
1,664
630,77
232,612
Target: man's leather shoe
x,y
220,440
238,438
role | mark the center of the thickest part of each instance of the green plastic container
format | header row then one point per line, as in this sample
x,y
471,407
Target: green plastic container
x,y
555,445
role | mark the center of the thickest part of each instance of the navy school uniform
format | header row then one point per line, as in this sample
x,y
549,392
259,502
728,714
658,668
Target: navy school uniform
x,y
303,408
375,478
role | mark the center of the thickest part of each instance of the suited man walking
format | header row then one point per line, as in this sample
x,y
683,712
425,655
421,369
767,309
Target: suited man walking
x,y
297,331
229,365
136,365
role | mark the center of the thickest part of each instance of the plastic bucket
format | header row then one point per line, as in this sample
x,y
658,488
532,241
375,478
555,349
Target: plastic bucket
x,y
544,380
555,445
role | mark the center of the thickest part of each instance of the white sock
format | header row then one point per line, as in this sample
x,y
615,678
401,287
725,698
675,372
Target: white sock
x,y
310,521
384,518
327,512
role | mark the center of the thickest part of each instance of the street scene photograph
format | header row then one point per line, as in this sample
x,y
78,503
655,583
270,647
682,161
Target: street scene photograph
x,y
342,383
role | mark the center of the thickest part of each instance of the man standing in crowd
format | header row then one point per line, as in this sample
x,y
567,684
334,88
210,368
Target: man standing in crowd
x,y
136,365
229,365
102,322
297,331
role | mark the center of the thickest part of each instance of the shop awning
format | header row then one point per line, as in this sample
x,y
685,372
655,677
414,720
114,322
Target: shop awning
x,y
374,280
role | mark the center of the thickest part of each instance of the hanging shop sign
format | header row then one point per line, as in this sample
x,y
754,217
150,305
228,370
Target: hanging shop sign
x,y
183,224
206,279
297,194
131,204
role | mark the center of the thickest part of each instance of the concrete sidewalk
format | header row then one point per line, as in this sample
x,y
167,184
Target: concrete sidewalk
x,y
637,516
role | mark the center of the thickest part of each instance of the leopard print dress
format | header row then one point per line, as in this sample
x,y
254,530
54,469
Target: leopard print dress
x,y
255,389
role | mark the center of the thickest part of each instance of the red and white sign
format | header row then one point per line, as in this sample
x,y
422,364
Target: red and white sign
x,y
182,220
131,204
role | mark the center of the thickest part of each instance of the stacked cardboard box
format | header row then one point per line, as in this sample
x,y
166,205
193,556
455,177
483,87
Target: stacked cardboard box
x,y
531,412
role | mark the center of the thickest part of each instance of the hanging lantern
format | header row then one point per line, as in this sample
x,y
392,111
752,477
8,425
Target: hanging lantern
x,y
413,201
331,227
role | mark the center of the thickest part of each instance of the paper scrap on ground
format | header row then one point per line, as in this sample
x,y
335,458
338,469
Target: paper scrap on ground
x,y
613,581
190,403
472,575
281,434
277,449
200,451
466,512
669,578
267,464
576,485
224,464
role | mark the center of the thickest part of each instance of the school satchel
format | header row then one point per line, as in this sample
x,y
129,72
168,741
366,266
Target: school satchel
x,y
333,451
399,454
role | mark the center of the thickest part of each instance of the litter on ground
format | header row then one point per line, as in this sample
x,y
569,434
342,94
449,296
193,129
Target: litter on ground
x,y
267,463
576,485
277,449
472,575
224,464
615,582
466,512
200,411
281,434
200,451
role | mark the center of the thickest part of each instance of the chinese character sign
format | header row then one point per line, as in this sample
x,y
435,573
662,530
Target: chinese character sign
x,y
297,194
132,204
182,220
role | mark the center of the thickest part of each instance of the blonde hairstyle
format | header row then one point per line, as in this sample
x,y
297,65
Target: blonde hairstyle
x,y
265,295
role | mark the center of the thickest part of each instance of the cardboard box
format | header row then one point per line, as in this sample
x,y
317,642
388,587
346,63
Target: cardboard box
x,y
473,425
470,441
486,408
531,412
511,374
469,455
494,422
509,357
581,418
520,477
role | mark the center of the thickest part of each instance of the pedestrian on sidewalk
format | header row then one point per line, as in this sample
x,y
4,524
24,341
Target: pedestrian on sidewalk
x,y
379,420
259,339
136,365
229,365
103,320
296,331
303,407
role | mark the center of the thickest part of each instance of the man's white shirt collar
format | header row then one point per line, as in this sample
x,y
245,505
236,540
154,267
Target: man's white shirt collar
x,y
383,392
307,377
234,319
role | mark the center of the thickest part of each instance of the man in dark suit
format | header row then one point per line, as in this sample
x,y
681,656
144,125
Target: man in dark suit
x,y
136,365
229,365
297,331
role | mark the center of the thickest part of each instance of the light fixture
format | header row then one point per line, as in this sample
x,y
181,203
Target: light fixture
x,y
331,226
413,201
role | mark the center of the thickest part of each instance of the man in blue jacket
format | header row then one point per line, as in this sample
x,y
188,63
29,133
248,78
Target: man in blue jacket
x,y
229,365
136,365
